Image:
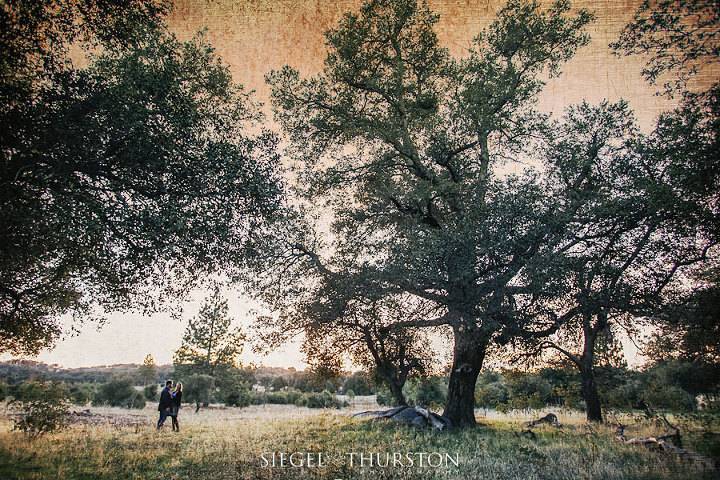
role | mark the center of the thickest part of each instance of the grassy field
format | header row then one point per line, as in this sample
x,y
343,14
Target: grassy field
x,y
231,444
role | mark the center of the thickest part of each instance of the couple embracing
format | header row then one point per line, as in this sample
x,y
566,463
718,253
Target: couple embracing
x,y
170,404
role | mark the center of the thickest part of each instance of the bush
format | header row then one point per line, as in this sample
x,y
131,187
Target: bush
x,y
570,395
255,397
534,401
119,393
323,399
626,396
384,397
528,389
358,383
81,393
198,388
286,397
151,392
44,406
235,391
490,395
669,398
430,392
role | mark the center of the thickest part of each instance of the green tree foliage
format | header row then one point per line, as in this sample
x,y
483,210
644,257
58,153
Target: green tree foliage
x,y
81,393
322,399
490,390
692,332
681,38
210,348
403,143
636,228
428,392
125,177
359,383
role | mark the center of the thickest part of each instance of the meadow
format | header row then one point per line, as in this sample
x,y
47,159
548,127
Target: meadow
x,y
231,443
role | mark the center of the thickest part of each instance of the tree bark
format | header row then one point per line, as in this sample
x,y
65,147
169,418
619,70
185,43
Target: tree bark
x,y
593,410
468,357
397,393
590,394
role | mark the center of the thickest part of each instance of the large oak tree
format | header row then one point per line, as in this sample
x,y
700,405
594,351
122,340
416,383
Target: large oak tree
x,y
406,145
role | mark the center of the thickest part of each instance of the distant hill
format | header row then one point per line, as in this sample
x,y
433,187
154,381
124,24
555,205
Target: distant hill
x,y
14,371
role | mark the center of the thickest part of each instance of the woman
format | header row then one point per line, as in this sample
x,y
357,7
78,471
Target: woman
x,y
176,400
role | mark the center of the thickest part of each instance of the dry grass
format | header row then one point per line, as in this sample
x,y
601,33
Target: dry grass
x,y
228,444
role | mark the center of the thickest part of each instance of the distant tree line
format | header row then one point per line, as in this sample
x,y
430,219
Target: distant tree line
x,y
672,385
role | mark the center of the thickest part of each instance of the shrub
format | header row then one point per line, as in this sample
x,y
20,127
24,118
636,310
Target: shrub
x,y
119,393
384,397
428,392
527,388
81,393
198,388
490,395
323,399
669,398
151,392
534,401
358,383
235,392
236,397
44,407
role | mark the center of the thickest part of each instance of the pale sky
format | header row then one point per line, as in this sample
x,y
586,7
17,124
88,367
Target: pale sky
x,y
256,36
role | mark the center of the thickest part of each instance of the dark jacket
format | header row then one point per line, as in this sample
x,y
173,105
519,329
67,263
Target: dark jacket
x,y
165,399
177,399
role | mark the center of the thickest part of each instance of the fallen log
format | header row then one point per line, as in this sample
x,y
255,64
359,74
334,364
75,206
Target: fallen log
x,y
417,416
666,443
550,419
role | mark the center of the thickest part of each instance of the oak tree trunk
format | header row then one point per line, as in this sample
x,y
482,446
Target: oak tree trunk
x,y
593,409
590,394
397,393
468,356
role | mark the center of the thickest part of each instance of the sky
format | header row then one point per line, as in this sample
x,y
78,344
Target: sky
x,y
256,36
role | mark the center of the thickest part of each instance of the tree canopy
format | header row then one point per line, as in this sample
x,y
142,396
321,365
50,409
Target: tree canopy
x,y
125,177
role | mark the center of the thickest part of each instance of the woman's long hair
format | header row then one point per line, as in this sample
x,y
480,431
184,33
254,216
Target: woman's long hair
x,y
178,387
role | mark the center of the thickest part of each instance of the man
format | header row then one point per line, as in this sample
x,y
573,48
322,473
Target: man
x,y
165,403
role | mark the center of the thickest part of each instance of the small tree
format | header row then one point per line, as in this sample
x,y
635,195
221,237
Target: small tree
x,y
209,343
151,392
198,388
210,346
148,370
